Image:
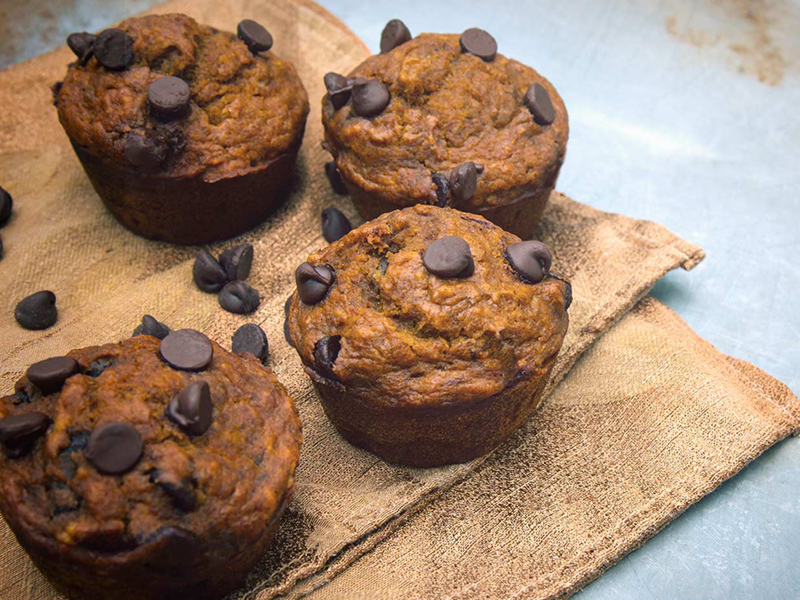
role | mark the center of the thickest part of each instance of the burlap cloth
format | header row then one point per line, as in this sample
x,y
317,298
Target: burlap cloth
x,y
652,418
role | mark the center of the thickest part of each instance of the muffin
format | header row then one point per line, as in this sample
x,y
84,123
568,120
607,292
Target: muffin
x,y
188,134
445,120
147,468
429,333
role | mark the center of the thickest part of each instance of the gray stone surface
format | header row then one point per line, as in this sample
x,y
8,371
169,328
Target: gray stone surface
x,y
681,112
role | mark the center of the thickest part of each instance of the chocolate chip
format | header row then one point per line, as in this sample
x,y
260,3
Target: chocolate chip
x,y
99,365
114,448
113,49
169,97
20,397
286,333
209,275
464,181
335,178
6,204
530,259
334,224
539,103
237,261
339,89
442,189
370,97
49,375
251,338
182,494
143,151
325,353
150,326
19,432
192,409
187,350
256,36
82,44
37,311
480,43
394,34
449,257
313,282
1,249
239,298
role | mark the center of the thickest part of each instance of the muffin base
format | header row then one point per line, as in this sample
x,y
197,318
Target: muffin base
x,y
189,210
430,436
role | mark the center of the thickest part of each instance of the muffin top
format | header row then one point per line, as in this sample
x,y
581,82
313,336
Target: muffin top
x,y
112,448
447,107
244,110
404,336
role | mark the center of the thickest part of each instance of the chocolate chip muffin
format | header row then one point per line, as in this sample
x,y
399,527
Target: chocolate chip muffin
x,y
188,134
445,120
148,468
429,333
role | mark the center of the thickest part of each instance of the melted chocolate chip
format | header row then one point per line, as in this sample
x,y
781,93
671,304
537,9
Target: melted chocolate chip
x,y
49,375
442,189
255,35
187,350
82,44
237,261
144,151
464,181
99,365
150,326
114,448
182,494
251,338
37,311
538,101
339,89
313,282
480,43
19,432
449,257
20,397
335,178
334,224
113,49
169,97
370,97
208,274
239,298
192,408
326,351
530,259
394,34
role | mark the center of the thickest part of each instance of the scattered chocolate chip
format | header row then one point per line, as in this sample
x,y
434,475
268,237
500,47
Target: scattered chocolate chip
x,y
370,97
82,44
442,189
256,36
169,97
251,338
539,103
339,89
1,248
19,432
192,409
114,448
335,178
143,151
286,333
313,282
209,275
98,366
464,181
6,205
394,34
239,298
480,43
150,326
334,224
187,350
182,494
37,311
448,257
20,397
113,49
49,375
325,353
237,261
530,259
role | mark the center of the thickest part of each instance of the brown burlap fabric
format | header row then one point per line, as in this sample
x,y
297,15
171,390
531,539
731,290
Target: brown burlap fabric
x,y
61,238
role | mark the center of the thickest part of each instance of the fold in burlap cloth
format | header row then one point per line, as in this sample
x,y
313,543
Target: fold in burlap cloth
x,y
650,380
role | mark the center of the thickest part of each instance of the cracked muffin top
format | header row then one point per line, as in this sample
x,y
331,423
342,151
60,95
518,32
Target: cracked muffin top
x,y
245,108
113,447
447,107
411,316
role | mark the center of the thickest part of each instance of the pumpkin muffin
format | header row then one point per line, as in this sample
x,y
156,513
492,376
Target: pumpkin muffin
x,y
429,333
187,133
148,468
444,120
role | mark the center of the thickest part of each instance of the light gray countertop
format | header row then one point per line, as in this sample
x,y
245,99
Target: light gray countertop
x,y
685,113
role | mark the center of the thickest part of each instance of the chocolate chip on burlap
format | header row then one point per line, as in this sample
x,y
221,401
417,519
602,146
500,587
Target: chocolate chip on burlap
x,y
169,97
113,49
313,282
464,181
114,448
480,43
192,408
82,44
50,374
239,298
339,89
144,151
370,97
530,259
6,206
334,224
449,257
255,35
335,178
251,338
208,274
150,326
37,311
237,261
538,101
19,432
187,350
325,353
394,34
